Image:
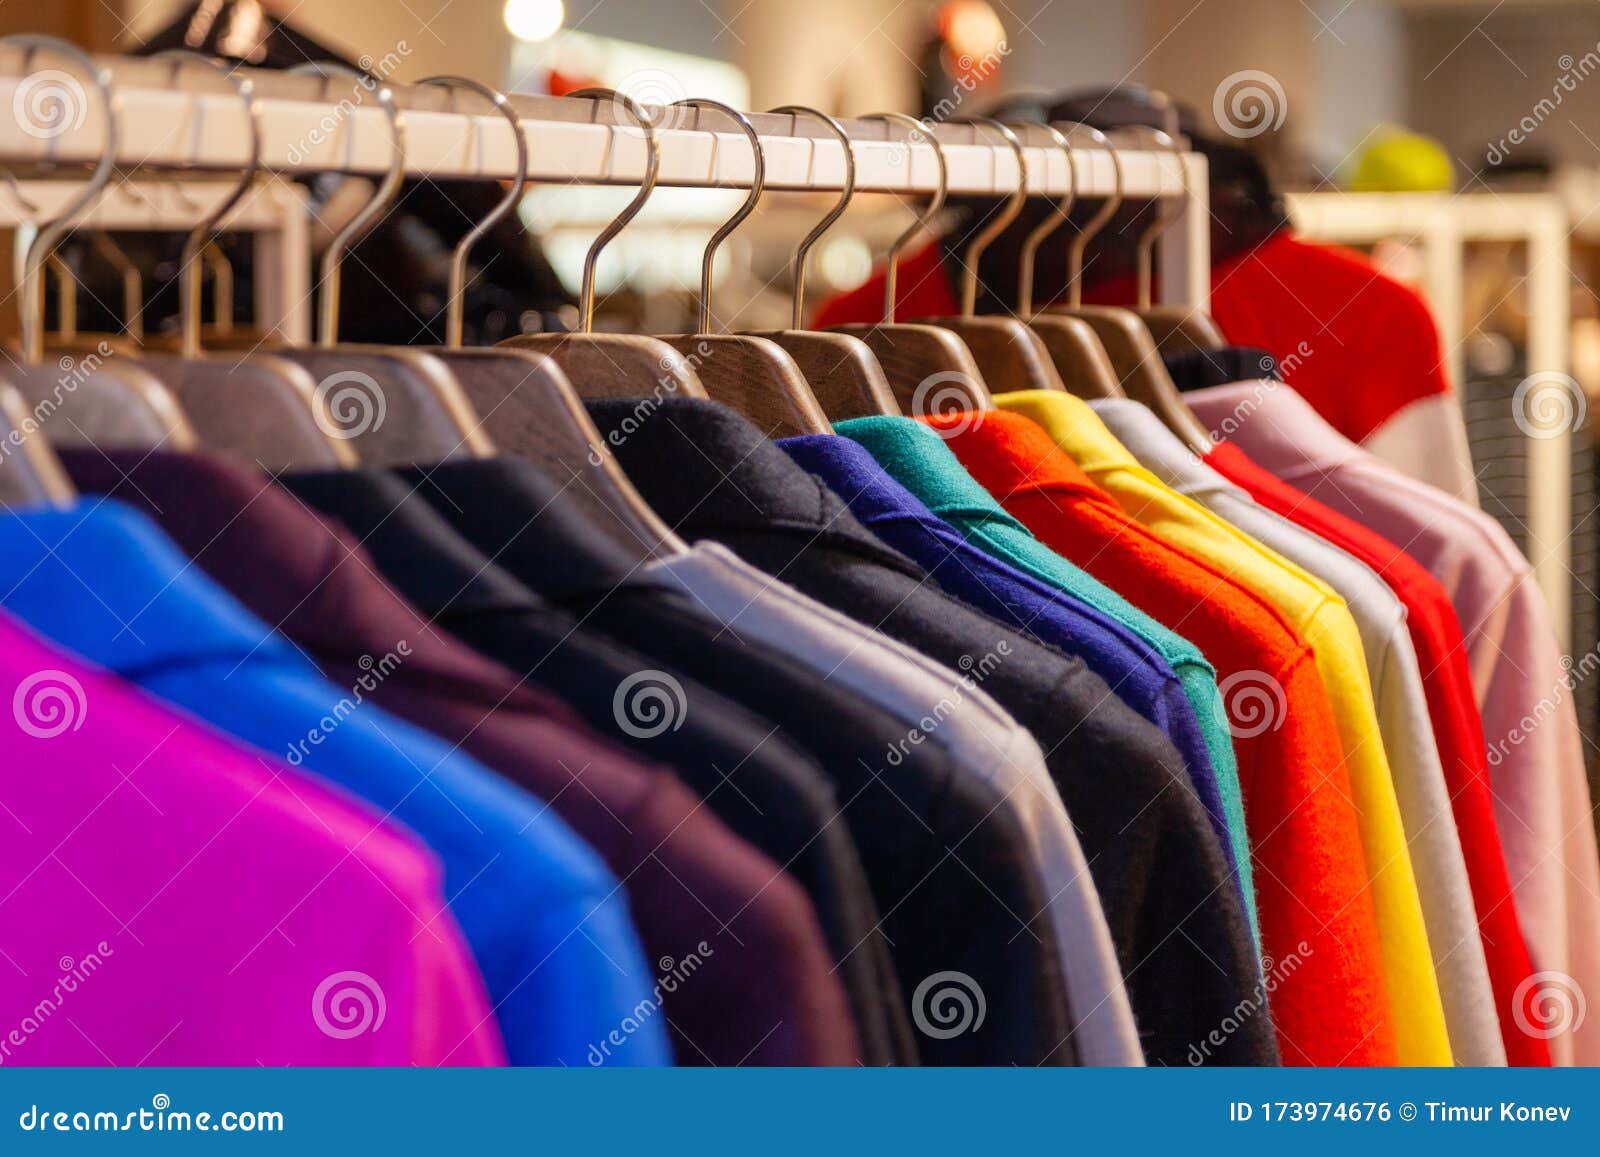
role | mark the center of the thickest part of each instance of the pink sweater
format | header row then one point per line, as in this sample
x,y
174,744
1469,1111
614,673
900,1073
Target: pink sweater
x,y
1523,683
168,897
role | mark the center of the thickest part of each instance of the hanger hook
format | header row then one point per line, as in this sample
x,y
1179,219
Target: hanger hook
x,y
50,234
892,259
643,122
333,259
458,259
1030,246
1096,223
997,225
758,182
846,194
1163,221
203,234
29,207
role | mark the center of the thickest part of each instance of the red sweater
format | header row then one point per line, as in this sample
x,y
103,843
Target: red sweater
x,y
1457,728
1318,926
1357,344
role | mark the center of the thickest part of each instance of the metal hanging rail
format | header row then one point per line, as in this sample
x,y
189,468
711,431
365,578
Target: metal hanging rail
x,y
183,120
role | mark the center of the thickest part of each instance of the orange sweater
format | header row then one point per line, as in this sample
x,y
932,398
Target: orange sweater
x,y
1321,957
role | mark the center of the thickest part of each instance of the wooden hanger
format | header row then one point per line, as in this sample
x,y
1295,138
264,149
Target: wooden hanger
x,y
752,374
616,365
533,408
92,400
1176,328
31,475
1010,354
919,360
394,404
258,407
1080,359
1128,340
844,373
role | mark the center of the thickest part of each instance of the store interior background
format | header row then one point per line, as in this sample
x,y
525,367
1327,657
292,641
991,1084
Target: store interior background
x,y
1463,72
1340,76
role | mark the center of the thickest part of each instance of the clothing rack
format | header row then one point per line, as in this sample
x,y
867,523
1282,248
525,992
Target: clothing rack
x,y
273,212
1442,225
185,119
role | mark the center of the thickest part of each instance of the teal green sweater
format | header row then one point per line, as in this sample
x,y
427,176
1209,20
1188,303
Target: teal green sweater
x,y
920,461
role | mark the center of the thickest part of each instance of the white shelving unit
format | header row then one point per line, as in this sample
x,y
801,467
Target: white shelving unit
x,y
273,212
1441,225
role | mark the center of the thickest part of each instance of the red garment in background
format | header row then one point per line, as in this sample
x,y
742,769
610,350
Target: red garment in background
x,y
1370,347
1319,928
923,288
1358,345
1457,727
1355,343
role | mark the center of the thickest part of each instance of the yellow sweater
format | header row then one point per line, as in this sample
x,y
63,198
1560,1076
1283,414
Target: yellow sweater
x,y
1324,620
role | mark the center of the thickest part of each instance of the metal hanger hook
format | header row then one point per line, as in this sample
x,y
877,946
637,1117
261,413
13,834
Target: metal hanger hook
x,y
1163,221
1096,223
996,225
892,259
1029,252
652,167
50,234
333,259
846,194
203,234
758,182
456,310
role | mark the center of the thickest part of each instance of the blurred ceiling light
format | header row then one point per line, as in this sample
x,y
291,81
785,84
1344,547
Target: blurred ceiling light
x,y
971,27
534,20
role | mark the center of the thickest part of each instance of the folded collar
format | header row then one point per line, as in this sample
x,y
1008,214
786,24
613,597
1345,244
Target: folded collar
x,y
102,580
1072,426
1161,451
705,469
1277,427
922,461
